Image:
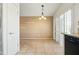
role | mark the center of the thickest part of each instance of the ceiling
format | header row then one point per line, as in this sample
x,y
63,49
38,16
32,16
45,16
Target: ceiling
x,y
34,9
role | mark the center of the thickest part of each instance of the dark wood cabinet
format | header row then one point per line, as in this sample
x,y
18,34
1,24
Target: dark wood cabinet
x,y
71,45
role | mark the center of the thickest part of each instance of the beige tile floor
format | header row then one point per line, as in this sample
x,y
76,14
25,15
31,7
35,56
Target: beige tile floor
x,y
40,47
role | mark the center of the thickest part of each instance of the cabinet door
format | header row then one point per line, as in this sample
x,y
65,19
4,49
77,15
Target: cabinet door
x,y
13,28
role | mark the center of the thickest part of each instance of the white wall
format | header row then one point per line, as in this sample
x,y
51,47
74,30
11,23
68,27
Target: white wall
x,y
4,26
76,18
1,29
63,8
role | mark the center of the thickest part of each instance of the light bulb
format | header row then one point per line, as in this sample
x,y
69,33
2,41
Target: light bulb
x,y
45,18
40,18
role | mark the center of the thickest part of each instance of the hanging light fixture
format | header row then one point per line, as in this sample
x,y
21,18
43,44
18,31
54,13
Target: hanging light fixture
x,y
42,16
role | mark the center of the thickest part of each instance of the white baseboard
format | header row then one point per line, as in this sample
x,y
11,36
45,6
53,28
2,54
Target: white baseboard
x,y
36,38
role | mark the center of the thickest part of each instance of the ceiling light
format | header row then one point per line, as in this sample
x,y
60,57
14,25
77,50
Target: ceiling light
x,y
42,16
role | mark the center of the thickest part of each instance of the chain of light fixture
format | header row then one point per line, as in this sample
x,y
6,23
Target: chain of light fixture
x,y
42,9
42,17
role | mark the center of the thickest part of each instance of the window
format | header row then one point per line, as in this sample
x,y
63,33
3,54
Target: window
x,y
63,25
68,22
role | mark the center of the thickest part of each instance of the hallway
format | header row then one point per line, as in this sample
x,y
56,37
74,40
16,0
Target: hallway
x,y
40,47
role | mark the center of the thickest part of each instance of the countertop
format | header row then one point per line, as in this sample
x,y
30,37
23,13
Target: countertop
x,y
75,34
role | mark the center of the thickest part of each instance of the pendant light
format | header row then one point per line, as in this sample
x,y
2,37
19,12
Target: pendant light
x,y
42,16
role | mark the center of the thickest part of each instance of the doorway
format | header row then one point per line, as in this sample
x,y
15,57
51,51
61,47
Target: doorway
x,y
36,36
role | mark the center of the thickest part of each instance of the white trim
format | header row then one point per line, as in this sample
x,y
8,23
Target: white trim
x,y
4,29
36,38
